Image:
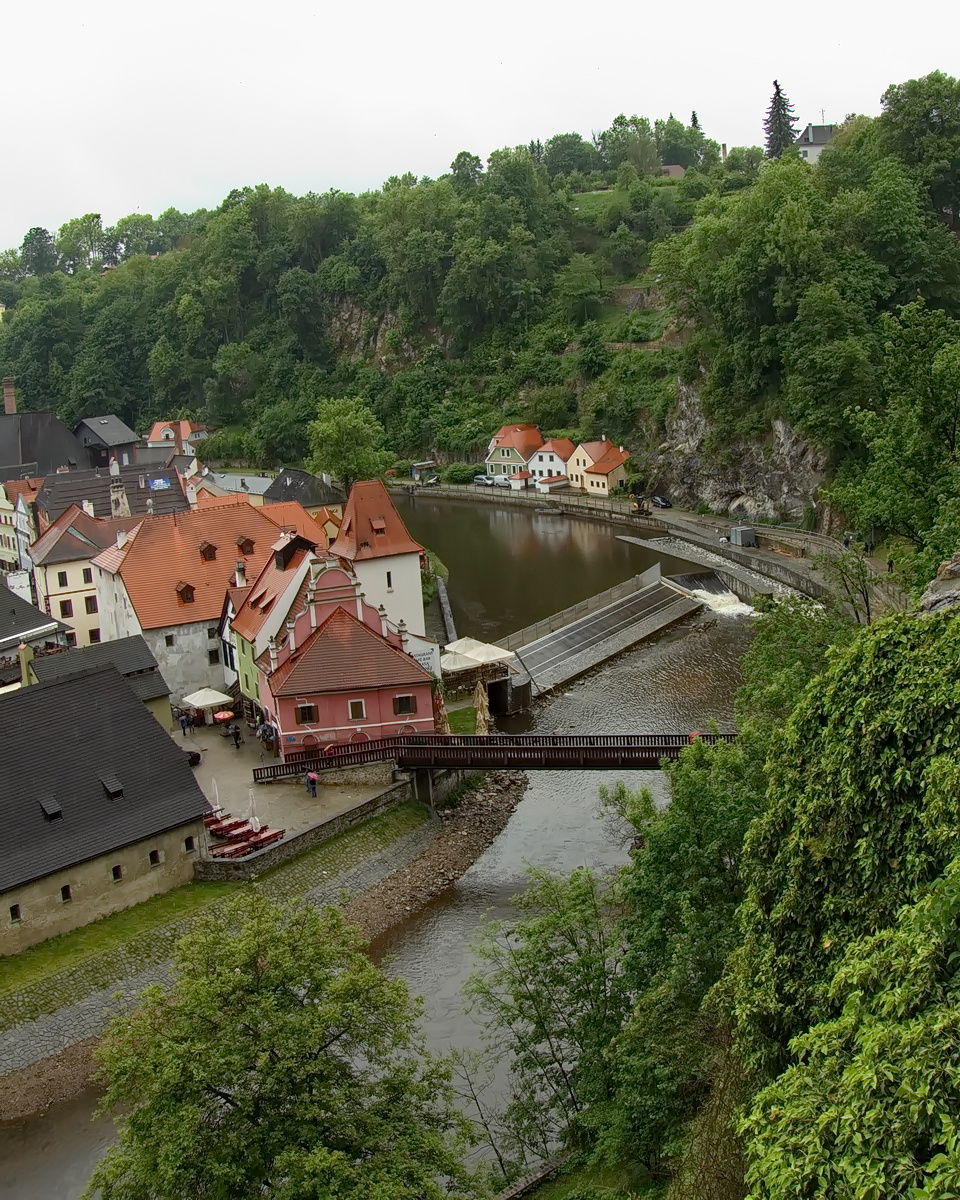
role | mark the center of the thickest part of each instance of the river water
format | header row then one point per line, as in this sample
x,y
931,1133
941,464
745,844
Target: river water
x,y
508,568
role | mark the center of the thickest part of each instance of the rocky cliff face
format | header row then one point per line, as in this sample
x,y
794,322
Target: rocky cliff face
x,y
943,591
378,337
775,478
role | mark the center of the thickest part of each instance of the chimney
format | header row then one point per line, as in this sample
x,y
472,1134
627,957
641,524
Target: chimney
x,y
114,468
87,506
121,538
240,573
723,152
9,396
149,506
119,504
25,655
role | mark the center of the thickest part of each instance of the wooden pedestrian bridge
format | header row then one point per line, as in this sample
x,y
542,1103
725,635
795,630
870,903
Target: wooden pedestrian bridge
x,y
497,752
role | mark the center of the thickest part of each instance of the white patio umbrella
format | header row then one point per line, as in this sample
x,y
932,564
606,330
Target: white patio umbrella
x,y
206,698
457,662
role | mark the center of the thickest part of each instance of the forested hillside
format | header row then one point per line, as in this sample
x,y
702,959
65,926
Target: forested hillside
x,y
540,285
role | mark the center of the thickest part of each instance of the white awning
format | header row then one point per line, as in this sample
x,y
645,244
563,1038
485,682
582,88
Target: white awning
x,y
206,698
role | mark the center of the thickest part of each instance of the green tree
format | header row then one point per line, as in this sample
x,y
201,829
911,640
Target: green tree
x,y
779,124
870,1105
920,123
467,171
283,1063
38,252
346,441
578,289
567,152
80,243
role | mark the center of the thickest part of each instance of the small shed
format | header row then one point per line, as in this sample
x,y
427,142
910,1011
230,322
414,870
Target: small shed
x,y
744,535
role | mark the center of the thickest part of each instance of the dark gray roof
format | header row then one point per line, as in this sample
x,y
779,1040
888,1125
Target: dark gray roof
x,y
22,622
816,135
41,438
29,470
160,484
109,430
303,487
63,739
130,655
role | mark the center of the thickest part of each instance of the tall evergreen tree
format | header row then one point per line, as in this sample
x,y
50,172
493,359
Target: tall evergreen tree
x,y
695,121
779,123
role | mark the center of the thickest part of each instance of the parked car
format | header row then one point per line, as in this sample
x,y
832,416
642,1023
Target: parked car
x,y
484,480
501,481
661,502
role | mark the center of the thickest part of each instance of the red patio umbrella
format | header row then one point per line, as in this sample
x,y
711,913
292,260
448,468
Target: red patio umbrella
x,y
223,716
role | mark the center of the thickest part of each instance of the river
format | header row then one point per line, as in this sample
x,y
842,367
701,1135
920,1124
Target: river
x,y
508,568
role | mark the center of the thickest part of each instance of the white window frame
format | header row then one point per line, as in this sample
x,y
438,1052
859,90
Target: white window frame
x,y
363,710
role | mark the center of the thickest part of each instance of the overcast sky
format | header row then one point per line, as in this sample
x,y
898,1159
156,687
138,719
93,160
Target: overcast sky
x,y
117,107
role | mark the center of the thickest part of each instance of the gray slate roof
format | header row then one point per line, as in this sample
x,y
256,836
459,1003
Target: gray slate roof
x,y
20,621
307,489
816,135
63,739
41,438
256,485
160,484
130,655
109,430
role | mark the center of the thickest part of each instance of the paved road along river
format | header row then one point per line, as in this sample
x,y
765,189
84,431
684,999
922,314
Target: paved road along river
x,y
507,569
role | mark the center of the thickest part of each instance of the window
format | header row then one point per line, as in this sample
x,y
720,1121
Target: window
x,y
94,636
404,705
154,858
189,845
117,873
389,581
65,894
358,710
90,604
88,575
14,912
168,639
71,639
245,545
213,657
306,714
66,608
539,458
61,579
212,633
185,592
208,552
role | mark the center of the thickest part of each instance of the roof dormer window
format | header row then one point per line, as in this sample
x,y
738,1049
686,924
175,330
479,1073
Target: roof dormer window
x,y
185,593
379,526
51,808
112,786
245,545
208,551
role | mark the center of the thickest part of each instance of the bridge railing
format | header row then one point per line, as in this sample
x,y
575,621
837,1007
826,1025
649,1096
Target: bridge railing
x,y
462,748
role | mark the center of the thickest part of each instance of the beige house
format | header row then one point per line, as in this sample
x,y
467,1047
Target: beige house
x,y
90,826
598,468
64,578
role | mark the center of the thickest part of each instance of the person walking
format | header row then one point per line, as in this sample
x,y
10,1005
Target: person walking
x,y
235,734
889,566
183,724
310,779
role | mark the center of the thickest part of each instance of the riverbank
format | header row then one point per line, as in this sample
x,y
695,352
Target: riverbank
x,y
465,832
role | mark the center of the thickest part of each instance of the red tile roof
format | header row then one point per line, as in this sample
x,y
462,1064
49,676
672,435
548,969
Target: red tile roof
x,y
165,551
269,584
371,526
290,515
29,488
561,447
76,535
345,655
525,439
181,430
611,458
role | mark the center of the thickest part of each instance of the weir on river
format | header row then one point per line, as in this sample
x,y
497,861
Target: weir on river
x,y
507,569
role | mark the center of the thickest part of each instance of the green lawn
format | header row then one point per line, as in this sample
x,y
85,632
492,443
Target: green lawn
x,y
286,881
463,720
604,1179
591,203
68,949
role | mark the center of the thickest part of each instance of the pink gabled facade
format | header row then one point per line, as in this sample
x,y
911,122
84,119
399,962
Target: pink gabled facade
x,y
337,671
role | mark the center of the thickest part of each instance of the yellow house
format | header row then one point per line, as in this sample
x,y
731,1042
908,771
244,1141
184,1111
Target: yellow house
x,y
598,468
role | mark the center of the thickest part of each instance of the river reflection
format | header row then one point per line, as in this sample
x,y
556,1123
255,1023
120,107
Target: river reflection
x,y
511,566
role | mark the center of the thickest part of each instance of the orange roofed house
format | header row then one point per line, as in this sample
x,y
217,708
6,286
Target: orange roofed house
x,y
374,540
599,468
179,436
168,576
511,447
